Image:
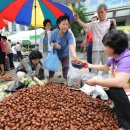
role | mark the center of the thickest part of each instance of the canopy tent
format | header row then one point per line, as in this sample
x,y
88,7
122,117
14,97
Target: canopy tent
x,y
33,12
26,35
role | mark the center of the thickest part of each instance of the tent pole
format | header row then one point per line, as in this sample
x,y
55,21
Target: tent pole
x,y
35,23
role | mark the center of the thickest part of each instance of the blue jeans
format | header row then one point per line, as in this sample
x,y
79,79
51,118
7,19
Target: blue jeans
x,y
89,54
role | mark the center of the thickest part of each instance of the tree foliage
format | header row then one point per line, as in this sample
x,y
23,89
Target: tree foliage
x,y
75,26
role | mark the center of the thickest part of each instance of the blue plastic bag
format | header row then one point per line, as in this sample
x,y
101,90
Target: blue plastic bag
x,y
51,62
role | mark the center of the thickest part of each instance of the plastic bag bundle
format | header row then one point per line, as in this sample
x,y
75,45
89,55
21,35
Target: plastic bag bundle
x,y
75,76
95,91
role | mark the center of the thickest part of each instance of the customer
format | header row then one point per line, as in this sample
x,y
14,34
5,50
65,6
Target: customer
x,y
32,67
14,52
64,41
116,46
28,67
44,46
2,55
89,45
19,53
9,52
99,29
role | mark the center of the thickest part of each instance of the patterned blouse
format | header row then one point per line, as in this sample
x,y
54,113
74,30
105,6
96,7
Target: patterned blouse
x,y
29,68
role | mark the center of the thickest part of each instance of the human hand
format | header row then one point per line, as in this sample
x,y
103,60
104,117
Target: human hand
x,y
112,24
57,46
76,17
113,21
74,59
91,82
41,83
84,81
84,50
85,64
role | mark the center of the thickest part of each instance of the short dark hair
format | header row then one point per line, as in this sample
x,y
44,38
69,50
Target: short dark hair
x,y
61,18
35,55
4,37
102,6
46,21
117,40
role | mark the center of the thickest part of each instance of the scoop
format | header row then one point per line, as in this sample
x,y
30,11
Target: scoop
x,y
79,64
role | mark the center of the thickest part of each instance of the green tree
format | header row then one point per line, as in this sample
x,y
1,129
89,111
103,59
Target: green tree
x,y
81,12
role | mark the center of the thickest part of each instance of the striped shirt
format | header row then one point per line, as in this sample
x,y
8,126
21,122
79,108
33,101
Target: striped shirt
x,y
99,29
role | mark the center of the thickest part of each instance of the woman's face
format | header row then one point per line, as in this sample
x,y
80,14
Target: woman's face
x,y
35,61
48,27
64,25
108,51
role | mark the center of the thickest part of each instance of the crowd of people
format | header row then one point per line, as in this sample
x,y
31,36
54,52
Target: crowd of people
x,y
104,42
8,54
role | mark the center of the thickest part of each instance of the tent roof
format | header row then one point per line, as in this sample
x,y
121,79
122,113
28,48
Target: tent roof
x,y
24,35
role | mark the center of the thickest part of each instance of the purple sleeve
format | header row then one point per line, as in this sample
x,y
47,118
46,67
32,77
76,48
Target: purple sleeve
x,y
124,65
109,62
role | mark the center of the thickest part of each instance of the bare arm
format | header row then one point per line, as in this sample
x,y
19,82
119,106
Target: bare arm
x,y
119,81
99,67
73,51
38,81
81,23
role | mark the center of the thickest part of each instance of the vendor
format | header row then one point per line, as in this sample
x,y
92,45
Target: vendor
x,y
32,67
116,46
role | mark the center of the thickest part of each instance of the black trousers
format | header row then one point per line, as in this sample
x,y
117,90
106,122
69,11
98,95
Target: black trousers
x,y
19,55
89,54
11,60
121,106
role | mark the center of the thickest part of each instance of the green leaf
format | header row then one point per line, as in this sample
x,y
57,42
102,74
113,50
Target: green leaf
x,y
76,29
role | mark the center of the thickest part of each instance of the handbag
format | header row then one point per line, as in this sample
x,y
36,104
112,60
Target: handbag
x,y
51,62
